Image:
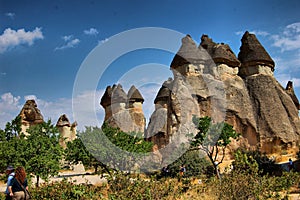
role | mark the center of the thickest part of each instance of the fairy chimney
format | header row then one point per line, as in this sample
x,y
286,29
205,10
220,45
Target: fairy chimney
x,y
30,115
254,58
222,55
66,130
122,110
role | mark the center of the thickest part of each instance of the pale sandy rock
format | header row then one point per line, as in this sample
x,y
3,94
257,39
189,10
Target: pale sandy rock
x,y
277,119
30,115
66,130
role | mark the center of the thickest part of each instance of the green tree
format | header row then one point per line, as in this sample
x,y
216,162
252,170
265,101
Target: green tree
x,y
13,128
43,152
76,152
12,144
212,138
196,164
114,147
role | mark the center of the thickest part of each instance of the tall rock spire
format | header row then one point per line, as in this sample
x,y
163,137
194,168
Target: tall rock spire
x,y
30,115
290,90
67,130
220,53
188,54
134,95
252,55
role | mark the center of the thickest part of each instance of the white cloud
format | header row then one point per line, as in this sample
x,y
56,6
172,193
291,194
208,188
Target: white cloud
x,y
91,31
11,38
102,41
283,79
11,106
69,42
10,15
289,39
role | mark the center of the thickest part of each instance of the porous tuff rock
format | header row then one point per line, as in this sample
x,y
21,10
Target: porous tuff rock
x,y
253,56
247,97
134,95
290,90
220,53
30,115
276,115
123,110
189,53
241,101
67,130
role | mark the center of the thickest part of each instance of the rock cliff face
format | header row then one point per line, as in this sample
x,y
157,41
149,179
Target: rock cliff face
x,y
30,115
67,130
209,80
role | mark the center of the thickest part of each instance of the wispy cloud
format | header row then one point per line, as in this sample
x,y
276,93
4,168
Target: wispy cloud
x,y
10,15
67,37
69,42
103,41
12,38
256,32
283,79
289,39
91,31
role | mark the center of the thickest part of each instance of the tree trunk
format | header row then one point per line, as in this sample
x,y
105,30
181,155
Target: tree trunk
x,y
37,180
217,171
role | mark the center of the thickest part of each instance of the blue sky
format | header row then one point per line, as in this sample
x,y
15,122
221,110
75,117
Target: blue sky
x,y
44,43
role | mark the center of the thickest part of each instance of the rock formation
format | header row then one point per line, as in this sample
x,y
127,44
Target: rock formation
x,y
209,80
30,115
67,130
124,110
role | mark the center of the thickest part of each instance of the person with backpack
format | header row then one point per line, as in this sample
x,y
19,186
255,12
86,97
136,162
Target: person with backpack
x,y
182,170
18,187
10,172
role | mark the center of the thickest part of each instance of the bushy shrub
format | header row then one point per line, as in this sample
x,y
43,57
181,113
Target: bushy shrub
x,y
128,187
65,190
196,164
246,181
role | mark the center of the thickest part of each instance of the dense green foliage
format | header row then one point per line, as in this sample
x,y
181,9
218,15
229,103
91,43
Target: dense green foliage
x,y
13,128
39,152
43,152
195,163
115,148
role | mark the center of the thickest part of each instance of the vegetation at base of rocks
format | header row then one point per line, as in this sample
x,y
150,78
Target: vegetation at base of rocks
x,y
250,176
39,152
247,181
212,138
196,165
113,147
244,181
235,185
66,190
